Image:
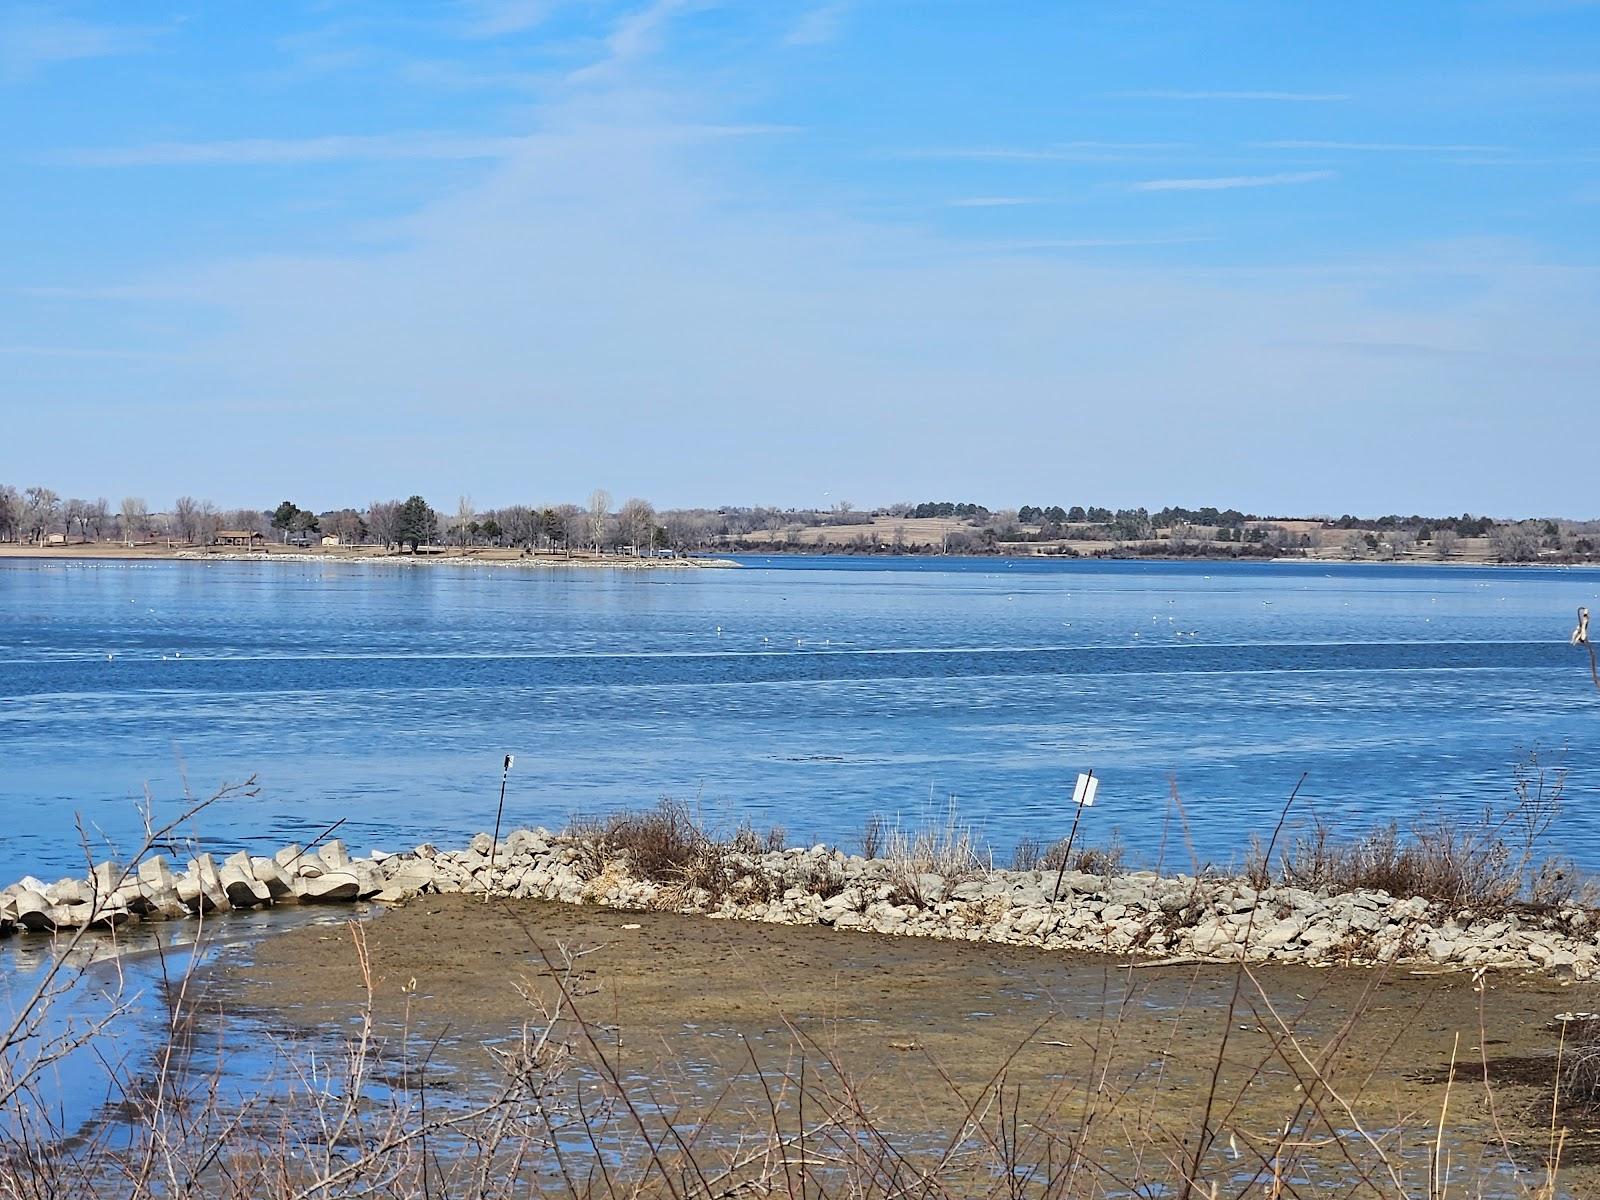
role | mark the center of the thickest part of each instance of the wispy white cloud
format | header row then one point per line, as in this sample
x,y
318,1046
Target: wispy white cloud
x,y
1385,349
1579,159
501,302
1228,182
270,152
1556,83
1100,243
1379,147
326,50
819,26
497,18
32,39
504,304
509,296
111,292
1055,152
638,35
461,77
993,201
292,151
1270,97
90,352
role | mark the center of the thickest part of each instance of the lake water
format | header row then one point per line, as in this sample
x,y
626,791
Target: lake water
x,y
806,692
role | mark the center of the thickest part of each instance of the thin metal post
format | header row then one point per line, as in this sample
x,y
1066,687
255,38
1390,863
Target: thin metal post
x,y
1066,856
505,772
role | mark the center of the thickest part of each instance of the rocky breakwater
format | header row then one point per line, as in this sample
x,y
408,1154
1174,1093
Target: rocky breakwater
x,y
153,890
1215,918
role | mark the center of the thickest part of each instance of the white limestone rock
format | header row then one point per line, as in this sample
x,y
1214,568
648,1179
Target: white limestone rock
x,y
327,888
34,910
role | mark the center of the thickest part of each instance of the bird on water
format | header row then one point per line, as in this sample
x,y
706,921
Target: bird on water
x,y
1580,637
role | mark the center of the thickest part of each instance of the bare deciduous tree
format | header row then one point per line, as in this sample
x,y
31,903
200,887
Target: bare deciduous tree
x,y
1515,543
40,507
1445,542
97,514
246,520
346,524
10,513
638,521
383,522
686,530
1275,536
521,525
135,517
574,525
599,516
207,522
186,518
72,514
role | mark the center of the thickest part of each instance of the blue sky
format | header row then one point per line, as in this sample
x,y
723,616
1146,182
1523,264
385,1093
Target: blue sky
x,y
1294,258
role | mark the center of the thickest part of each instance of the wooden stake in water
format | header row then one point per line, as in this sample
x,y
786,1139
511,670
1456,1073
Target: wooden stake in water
x,y
505,773
1082,798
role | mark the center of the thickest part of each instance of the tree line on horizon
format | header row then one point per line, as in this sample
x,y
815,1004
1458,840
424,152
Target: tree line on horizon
x,y
36,514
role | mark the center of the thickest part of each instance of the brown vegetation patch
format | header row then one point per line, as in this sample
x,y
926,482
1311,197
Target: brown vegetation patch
x,y
1048,1039
1491,863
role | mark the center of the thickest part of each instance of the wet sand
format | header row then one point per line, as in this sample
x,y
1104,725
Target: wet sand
x,y
913,1023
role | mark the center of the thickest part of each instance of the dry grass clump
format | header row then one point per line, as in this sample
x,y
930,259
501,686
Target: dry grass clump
x,y
1578,1077
665,845
1494,862
1031,854
670,845
1436,859
661,844
873,834
924,862
748,840
948,847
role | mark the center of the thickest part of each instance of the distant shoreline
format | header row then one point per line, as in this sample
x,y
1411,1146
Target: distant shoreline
x,y
1209,560
589,560
364,556
501,557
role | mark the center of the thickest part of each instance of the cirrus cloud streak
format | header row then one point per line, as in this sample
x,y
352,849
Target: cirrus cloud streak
x,y
1225,183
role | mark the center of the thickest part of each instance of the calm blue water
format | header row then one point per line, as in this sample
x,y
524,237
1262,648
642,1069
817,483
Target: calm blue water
x,y
806,692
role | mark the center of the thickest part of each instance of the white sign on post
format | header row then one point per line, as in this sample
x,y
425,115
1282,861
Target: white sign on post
x,y
1083,794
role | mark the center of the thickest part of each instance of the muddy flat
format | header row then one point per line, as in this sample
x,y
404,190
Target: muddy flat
x,y
1357,1063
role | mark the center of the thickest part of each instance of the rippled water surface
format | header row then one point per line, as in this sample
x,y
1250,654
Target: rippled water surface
x,y
802,691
